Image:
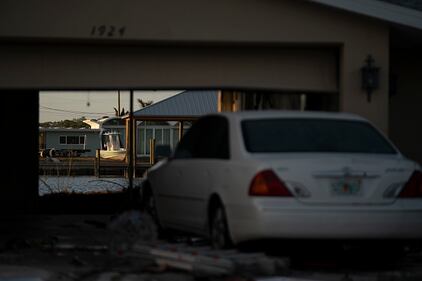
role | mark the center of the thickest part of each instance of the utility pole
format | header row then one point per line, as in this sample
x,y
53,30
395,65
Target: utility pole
x,y
130,149
118,100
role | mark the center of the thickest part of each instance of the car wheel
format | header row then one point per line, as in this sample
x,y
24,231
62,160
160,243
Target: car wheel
x,y
151,209
149,205
219,231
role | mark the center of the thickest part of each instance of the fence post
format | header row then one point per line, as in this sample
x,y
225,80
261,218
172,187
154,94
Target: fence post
x,y
97,163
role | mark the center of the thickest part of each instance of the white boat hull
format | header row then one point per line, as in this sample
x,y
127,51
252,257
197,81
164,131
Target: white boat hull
x,y
119,155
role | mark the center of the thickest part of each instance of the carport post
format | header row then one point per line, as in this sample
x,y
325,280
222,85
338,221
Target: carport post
x,y
152,151
97,163
180,130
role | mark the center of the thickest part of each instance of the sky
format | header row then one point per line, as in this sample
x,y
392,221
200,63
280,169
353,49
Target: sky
x,y
56,106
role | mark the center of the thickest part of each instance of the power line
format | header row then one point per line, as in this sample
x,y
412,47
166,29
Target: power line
x,y
72,111
47,111
49,114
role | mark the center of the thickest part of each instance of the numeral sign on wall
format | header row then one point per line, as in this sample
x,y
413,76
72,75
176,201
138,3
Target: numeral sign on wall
x,y
108,31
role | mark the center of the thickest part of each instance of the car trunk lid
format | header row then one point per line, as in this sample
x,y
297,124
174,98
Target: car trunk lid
x,y
342,179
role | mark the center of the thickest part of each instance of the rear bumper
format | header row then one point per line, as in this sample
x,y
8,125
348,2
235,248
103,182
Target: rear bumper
x,y
292,220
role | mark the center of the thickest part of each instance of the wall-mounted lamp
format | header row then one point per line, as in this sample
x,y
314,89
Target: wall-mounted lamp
x,y
370,77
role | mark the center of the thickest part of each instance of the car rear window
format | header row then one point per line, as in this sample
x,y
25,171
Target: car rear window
x,y
313,135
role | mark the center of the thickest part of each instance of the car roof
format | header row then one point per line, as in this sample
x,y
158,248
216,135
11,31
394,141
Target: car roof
x,y
265,114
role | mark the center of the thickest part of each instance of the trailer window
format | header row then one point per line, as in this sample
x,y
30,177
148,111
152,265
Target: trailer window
x,y
72,140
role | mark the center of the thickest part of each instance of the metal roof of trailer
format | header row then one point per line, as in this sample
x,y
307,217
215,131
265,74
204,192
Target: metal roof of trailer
x,y
185,104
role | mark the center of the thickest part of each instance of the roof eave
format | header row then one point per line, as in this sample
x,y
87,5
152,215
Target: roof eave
x,y
379,10
165,118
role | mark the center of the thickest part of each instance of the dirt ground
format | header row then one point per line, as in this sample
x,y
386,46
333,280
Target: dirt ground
x,y
72,247
93,238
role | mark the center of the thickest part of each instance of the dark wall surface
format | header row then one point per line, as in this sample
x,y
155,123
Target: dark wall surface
x,y
19,171
406,102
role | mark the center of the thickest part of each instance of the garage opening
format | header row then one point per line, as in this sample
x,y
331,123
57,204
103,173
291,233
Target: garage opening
x,y
83,138
83,148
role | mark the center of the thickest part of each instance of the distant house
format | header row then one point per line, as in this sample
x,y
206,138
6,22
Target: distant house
x,y
163,120
80,138
69,138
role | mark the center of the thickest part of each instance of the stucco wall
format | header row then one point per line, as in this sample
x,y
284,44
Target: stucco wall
x,y
374,41
179,21
194,23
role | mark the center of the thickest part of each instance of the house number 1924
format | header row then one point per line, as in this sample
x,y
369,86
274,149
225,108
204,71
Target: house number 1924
x,y
108,31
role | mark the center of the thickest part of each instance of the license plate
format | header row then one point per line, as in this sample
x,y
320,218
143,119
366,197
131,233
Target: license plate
x,y
346,187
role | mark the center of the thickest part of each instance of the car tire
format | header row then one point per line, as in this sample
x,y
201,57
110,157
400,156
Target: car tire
x,y
148,204
219,231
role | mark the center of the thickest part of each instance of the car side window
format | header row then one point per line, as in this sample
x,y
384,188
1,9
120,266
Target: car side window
x,y
207,138
213,140
187,145
222,139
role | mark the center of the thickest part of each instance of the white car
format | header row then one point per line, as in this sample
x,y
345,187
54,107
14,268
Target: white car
x,y
274,174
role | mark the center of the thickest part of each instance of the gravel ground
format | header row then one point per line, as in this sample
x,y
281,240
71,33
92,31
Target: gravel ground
x,y
81,184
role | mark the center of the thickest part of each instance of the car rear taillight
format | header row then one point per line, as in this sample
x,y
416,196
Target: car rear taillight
x,y
413,188
266,183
